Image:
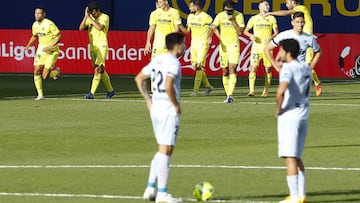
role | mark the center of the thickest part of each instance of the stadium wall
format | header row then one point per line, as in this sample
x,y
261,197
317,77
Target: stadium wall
x,y
335,24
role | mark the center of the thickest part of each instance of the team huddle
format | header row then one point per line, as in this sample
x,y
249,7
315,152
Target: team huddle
x,y
298,55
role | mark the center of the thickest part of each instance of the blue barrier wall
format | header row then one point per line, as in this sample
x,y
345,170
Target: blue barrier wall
x,y
330,16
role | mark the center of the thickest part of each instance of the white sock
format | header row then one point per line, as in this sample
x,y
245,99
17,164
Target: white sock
x,y
153,173
292,182
163,171
302,183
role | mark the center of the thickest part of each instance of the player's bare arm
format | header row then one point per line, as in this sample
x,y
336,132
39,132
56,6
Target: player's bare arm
x,y
32,40
268,52
281,13
56,41
250,35
211,33
316,58
184,29
150,35
141,82
177,28
97,25
215,30
275,33
239,30
83,22
170,91
280,97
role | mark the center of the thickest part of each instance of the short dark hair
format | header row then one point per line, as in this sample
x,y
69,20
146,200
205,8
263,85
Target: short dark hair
x,y
173,39
298,15
296,1
262,1
291,46
93,6
229,4
41,8
196,3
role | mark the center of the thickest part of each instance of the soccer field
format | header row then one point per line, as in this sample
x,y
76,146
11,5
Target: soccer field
x,y
67,149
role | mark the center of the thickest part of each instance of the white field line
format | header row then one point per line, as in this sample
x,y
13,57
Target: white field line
x,y
173,166
93,196
183,101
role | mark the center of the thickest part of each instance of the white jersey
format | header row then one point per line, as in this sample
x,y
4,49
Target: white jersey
x,y
305,41
158,69
297,96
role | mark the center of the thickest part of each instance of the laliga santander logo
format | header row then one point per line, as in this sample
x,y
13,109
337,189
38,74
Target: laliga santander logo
x,y
214,60
351,72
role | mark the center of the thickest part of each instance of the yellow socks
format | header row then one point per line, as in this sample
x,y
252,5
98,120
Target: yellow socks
x,y
252,79
38,84
106,81
198,79
95,83
315,78
268,77
225,80
232,84
205,80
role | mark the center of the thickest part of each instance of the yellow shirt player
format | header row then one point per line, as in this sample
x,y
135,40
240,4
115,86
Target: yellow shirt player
x,y
231,24
198,23
293,7
264,28
97,24
47,52
163,21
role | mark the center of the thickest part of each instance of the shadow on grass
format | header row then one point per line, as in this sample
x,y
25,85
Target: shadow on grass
x,y
326,196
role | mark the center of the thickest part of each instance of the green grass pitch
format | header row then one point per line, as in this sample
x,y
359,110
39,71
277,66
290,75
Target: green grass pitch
x,y
116,135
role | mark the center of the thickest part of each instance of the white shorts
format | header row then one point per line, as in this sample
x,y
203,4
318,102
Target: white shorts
x,y
165,122
291,137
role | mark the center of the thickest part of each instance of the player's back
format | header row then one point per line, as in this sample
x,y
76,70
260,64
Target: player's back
x,y
308,27
297,97
162,66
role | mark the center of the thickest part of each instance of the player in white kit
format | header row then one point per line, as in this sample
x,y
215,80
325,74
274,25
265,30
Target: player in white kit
x,y
292,112
305,40
164,106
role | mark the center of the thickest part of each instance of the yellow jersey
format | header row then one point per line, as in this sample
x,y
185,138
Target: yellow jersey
x,y
98,38
165,22
308,27
200,28
46,31
228,34
262,28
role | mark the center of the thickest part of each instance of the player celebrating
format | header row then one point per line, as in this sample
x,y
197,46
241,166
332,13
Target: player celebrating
x,y
163,21
231,24
305,40
198,23
264,30
292,112
47,52
293,7
97,24
164,107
